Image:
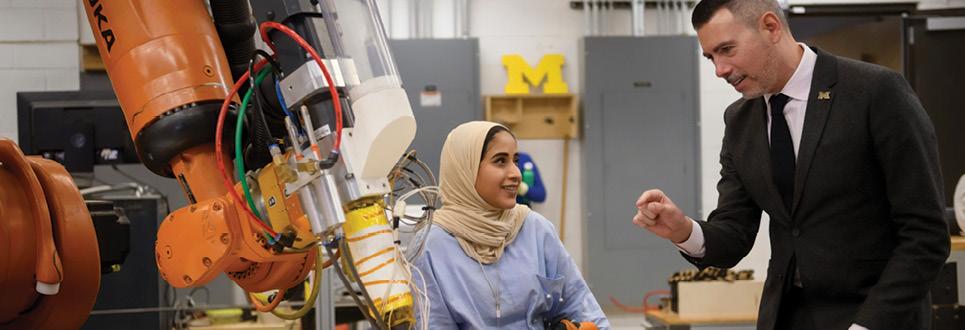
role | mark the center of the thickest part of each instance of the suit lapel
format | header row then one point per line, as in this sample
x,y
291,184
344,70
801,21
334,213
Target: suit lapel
x,y
816,116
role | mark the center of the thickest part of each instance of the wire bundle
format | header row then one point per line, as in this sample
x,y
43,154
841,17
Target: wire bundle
x,y
249,207
255,68
408,183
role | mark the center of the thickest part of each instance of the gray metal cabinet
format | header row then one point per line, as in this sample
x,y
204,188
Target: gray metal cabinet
x,y
641,132
450,67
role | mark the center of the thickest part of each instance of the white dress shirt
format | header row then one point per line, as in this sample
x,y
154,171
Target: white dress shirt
x,y
797,89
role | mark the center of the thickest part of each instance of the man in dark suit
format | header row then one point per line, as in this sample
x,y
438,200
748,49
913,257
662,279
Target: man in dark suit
x,y
842,157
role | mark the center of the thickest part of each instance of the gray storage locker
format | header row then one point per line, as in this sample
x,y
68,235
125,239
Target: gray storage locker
x,y
641,120
449,66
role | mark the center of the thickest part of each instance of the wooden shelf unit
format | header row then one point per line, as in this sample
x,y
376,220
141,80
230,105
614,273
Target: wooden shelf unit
x,y
546,116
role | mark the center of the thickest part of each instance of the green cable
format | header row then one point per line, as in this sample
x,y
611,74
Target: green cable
x,y
239,159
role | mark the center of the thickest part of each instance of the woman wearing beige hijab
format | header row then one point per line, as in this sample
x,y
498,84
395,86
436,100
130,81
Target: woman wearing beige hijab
x,y
490,263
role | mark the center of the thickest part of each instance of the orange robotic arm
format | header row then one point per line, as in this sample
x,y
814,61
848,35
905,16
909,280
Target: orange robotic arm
x,y
49,258
170,74
173,79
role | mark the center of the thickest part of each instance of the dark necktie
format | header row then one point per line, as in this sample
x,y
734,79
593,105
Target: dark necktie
x,y
782,150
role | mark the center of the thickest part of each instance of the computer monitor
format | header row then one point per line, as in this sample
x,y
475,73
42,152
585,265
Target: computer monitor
x,y
77,129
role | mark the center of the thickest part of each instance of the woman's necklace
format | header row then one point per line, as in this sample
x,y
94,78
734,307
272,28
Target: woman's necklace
x,y
493,289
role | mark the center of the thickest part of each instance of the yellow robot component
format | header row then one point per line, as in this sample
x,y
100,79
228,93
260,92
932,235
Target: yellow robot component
x,y
377,259
284,212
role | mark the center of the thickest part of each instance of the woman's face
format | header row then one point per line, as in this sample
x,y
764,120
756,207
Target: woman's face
x,y
498,178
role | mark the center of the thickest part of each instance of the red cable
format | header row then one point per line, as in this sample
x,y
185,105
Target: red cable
x,y
646,298
228,182
645,307
625,308
318,60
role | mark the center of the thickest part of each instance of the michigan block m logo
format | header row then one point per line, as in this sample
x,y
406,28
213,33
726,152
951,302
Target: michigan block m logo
x,y
549,67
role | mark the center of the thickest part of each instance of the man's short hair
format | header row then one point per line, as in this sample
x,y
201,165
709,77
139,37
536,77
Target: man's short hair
x,y
748,11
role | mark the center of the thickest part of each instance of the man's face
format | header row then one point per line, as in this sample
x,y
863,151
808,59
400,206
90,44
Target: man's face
x,y
741,54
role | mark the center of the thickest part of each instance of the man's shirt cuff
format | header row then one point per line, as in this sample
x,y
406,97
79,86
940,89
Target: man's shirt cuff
x,y
693,246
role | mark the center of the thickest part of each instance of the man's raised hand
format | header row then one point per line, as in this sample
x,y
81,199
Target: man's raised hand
x,y
658,214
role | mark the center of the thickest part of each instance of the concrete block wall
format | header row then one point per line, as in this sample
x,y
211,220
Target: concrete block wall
x,y
38,52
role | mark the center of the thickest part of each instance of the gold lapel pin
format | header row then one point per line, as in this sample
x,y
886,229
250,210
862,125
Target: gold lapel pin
x,y
824,95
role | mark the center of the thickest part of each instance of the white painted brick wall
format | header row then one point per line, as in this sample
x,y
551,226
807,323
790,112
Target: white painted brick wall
x,y
30,79
27,66
83,27
38,52
16,80
21,24
60,55
38,24
62,79
6,55
38,3
61,24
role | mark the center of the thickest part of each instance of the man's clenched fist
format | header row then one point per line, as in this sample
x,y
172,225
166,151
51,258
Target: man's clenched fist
x,y
658,214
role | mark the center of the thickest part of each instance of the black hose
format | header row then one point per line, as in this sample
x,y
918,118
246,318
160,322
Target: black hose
x,y
369,311
350,262
258,154
236,29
